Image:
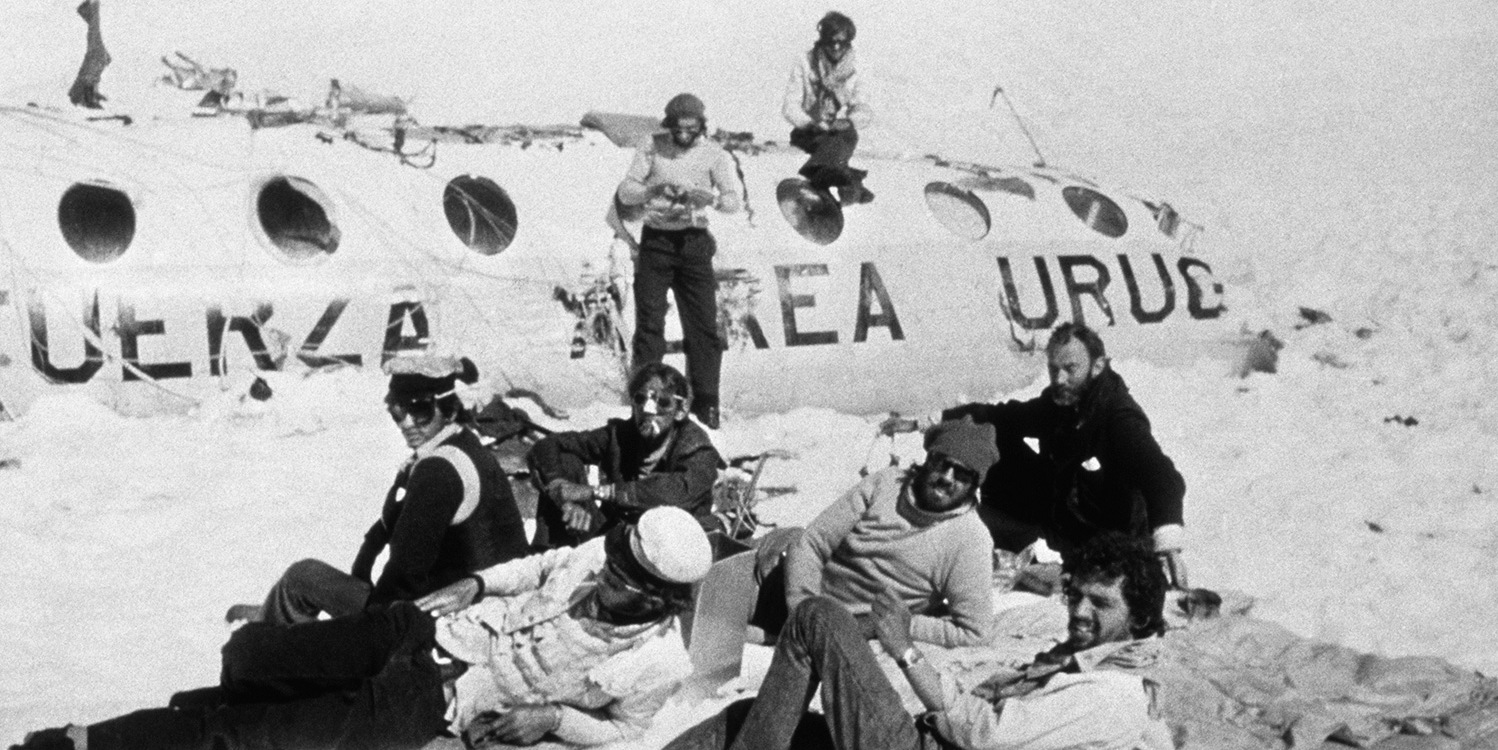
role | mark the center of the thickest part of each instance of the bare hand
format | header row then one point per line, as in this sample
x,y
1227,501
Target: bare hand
x,y
840,124
522,725
450,598
663,190
1175,568
700,197
891,622
897,424
578,517
562,491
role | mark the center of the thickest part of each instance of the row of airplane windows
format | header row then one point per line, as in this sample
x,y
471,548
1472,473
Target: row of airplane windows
x,y
98,221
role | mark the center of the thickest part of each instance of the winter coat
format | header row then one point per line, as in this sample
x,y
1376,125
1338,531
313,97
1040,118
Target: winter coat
x,y
1107,471
820,92
449,513
683,476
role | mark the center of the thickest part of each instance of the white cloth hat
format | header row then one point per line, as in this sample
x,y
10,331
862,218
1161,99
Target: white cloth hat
x,y
670,545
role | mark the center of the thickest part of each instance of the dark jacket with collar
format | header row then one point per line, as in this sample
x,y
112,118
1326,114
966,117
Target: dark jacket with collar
x,y
1105,470
683,477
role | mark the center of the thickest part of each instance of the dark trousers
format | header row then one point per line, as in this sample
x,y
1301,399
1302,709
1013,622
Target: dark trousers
x,y
820,645
1017,495
312,586
364,682
830,151
680,261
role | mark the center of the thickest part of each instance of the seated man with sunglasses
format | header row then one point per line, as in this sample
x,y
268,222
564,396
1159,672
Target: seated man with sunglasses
x,y
914,531
577,645
656,457
450,511
825,106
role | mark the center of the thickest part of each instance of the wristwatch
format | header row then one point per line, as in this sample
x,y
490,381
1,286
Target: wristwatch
x,y
909,658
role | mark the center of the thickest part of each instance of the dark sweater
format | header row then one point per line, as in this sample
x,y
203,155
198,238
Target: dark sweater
x,y
1132,486
683,477
428,547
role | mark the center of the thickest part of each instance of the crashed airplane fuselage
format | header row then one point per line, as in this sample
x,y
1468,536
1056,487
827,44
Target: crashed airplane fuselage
x,y
156,259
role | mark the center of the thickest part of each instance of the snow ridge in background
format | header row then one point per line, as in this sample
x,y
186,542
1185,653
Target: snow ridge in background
x,y
1341,156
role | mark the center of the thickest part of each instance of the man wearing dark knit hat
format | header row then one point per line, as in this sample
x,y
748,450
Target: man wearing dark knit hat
x,y
674,179
912,531
450,511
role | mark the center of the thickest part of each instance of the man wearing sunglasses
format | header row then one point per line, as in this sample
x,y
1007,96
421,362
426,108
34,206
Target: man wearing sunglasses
x,y
450,511
913,531
826,109
655,458
577,645
675,178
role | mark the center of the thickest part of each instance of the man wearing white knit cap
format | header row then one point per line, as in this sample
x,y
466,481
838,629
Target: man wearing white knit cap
x,y
578,645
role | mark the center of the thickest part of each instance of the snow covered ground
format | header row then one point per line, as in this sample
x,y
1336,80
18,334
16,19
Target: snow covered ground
x,y
1341,154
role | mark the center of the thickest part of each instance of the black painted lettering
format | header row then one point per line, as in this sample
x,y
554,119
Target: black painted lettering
x,y
1136,303
1194,292
1075,289
249,328
131,329
1011,297
870,288
396,338
789,302
41,353
309,355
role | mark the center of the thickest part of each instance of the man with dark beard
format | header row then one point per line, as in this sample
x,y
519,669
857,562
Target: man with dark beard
x,y
912,531
1096,466
656,457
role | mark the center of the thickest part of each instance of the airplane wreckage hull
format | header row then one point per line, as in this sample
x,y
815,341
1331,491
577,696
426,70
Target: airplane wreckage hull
x,y
155,261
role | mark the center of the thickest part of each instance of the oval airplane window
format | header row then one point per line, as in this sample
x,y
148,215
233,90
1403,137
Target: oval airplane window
x,y
1096,210
97,221
815,215
296,217
480,213
961,212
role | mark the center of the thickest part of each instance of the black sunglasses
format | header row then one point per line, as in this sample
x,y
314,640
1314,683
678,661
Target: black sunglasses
x,y
421,412
663,401
962,472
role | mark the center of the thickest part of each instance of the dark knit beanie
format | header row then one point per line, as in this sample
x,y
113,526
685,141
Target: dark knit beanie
x,y
684,105
972,444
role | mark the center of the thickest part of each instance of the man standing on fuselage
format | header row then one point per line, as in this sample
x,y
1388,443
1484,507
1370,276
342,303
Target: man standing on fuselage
x,y
675,178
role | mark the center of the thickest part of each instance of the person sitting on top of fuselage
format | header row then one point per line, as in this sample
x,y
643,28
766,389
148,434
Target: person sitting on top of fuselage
x,y
656,457
825,107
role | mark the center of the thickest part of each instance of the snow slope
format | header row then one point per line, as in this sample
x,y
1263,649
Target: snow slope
x,y
1341,155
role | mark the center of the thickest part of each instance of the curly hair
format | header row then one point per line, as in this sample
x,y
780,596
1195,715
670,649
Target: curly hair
x,y
835,22
1113,555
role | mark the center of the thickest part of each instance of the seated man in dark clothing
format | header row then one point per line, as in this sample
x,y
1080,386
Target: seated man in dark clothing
x,y
1078,694
449,513
825,107
656,457
577,646
1097,467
